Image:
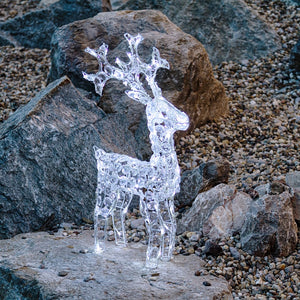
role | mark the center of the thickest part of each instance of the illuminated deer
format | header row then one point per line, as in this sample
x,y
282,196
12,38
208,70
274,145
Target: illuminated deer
x,y
121,177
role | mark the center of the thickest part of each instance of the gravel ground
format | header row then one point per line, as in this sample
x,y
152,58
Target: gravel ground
x,y
23,73
260,138
12,8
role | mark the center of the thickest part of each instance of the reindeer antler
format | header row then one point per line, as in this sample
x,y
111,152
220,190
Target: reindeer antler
x,y
128,73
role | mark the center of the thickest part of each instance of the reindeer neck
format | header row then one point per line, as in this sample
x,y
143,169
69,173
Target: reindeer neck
x,y
163,152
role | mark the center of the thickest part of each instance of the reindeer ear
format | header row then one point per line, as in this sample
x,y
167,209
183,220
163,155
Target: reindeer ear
x,y
103,49
138,96
133,41
158,62
89,77
90,51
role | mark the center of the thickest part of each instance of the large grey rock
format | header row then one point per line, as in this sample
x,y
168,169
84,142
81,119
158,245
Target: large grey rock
x,y
200,179
228,29
295,57
217,213
34,29
293,181
47,165
270,228
41,266
189,84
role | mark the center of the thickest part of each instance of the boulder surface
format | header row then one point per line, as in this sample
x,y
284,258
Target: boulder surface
x,y
295,57
48,170
217,213
228,29
266,225
41,266
189,84
34,29
201,179
293,181
270,227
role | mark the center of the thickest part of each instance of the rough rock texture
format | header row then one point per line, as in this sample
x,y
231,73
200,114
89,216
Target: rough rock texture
x,y
48,170
228,29
217,213
41,266
189,84
34,29
269,226
295,57
293,181
200,179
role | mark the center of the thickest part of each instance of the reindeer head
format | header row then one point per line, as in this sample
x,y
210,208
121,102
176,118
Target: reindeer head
x,y
162,116
163,120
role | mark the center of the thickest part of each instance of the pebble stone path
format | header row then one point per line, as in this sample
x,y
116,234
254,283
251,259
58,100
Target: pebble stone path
x,y
260,138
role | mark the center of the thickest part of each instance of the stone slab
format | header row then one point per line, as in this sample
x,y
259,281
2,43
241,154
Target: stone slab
x,y
65,267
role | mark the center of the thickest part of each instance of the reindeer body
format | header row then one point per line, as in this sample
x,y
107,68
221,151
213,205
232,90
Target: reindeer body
x,y
121,177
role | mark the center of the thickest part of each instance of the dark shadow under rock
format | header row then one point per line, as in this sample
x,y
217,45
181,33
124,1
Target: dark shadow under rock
x,y
212,248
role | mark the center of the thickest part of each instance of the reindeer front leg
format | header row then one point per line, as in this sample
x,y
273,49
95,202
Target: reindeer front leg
x,y
100,231
150,211
102,213
169,228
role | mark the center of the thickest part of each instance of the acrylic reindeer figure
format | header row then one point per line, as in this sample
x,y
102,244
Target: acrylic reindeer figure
x,y
121,177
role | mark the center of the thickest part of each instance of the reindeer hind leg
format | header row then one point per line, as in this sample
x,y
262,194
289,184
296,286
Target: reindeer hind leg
x,y
121,208
102,214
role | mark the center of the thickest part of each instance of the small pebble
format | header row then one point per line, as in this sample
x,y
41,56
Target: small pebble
x,y
83,251
235,253
153,278
62,273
